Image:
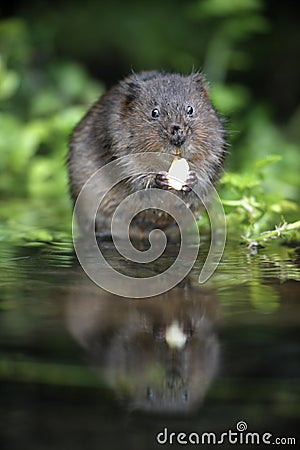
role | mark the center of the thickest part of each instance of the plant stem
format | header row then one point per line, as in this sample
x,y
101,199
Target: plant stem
x,y
272,234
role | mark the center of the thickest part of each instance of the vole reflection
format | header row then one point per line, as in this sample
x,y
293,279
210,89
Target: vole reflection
x,y
159,354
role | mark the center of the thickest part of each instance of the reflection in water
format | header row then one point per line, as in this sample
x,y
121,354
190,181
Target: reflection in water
x,y
158,354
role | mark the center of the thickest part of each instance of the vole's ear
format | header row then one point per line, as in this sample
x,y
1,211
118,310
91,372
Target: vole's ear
x,y
201,83
131,90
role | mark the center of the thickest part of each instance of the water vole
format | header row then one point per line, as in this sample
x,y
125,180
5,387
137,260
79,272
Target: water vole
x,y
148,112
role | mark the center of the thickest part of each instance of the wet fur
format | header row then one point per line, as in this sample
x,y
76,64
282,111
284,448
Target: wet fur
x,y
120,123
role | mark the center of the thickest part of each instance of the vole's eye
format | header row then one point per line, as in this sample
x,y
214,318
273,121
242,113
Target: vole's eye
x,y
189,110
155,113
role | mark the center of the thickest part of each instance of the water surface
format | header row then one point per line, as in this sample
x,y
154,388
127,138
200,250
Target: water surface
x,y
83,369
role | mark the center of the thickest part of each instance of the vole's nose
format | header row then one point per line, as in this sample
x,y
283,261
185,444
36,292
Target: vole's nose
x,y
177,134
176,130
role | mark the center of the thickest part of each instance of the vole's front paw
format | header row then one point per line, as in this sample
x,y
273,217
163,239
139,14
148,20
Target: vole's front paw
x,y
162,180
190,182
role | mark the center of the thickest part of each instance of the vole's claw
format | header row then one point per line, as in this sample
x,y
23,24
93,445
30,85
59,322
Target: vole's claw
x,y
190,182
162,180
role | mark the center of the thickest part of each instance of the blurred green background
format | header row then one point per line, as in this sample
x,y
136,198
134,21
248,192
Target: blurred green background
x,y
56,58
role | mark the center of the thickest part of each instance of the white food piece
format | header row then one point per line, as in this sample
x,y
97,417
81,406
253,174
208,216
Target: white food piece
x,y
175,336
178,173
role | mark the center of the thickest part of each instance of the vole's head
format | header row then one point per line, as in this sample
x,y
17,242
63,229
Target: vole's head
x,y
163,112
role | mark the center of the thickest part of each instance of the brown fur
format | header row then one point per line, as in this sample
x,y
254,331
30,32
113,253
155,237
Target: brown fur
x,y
120,123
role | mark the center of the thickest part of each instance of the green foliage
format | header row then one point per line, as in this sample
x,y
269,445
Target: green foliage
x,y
39,107
41,99
251,210
228,25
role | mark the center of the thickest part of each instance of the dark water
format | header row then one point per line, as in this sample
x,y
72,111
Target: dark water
x,y
83,369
